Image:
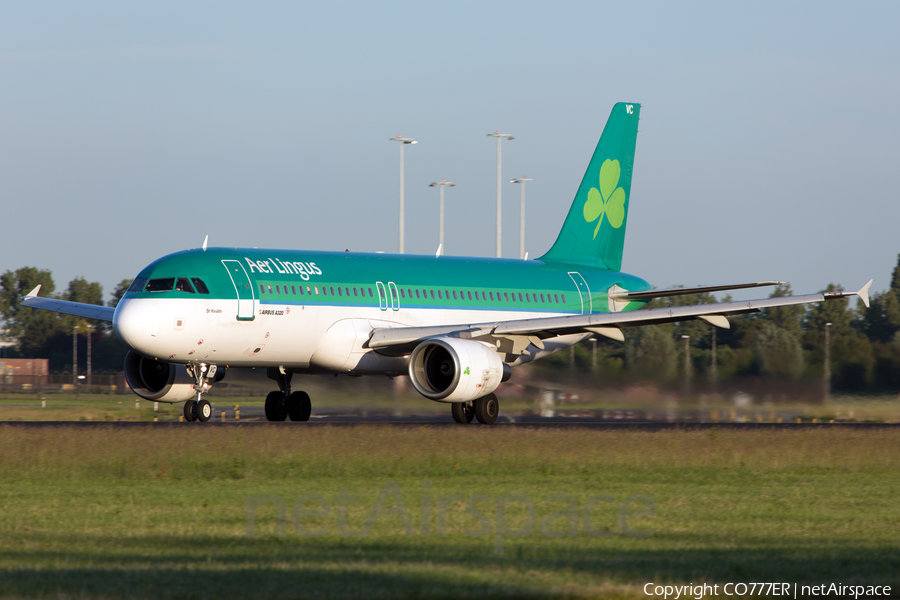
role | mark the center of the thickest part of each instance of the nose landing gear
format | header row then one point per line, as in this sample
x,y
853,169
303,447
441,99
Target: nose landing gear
x,y
200,409
283,404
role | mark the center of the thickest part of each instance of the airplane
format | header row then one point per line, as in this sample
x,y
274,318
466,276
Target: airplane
x,y
455,325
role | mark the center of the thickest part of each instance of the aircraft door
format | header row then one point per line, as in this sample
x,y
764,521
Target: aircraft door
x,y
382,295
583,291
395,295
243,287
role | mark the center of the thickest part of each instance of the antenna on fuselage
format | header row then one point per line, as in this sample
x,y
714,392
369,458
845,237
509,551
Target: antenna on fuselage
x,y
205,242
526,256
438,253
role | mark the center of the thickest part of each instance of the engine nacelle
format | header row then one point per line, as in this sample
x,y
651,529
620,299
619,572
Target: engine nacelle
x,y
449,369
157,380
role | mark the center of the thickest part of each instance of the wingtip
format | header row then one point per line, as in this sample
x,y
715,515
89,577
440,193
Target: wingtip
x,y
863,293
34,292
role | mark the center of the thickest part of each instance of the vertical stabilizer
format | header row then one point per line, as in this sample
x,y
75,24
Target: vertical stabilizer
x,y
594,231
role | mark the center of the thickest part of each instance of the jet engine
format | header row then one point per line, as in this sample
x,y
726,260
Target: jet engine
x,y
449,369
157,380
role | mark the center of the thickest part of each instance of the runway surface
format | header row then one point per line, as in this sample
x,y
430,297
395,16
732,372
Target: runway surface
x,y
524,423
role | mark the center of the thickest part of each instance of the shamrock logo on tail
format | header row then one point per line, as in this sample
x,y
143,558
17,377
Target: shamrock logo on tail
x,y
608,200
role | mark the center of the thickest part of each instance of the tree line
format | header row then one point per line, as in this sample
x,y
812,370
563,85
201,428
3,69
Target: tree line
x,y
786,342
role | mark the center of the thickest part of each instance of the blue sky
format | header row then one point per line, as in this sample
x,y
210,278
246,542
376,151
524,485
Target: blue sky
x,y
768,143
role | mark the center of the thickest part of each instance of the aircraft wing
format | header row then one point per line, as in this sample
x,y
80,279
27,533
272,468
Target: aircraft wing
x,y
89,311
607,324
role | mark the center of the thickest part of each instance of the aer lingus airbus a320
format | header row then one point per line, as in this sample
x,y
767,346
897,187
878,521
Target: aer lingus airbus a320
x,y
455,325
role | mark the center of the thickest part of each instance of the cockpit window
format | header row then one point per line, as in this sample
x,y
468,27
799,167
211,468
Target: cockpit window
x,y
183,285
160,285
201,287
137,285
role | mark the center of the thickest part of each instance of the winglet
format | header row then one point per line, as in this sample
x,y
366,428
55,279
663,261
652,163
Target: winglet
x,y
864,293
37,290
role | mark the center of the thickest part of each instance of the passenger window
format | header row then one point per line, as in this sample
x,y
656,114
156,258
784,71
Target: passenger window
x,y
417,292
278,289
301,290
432,294
454,294
470,294
137,285
484,296
446,294
340,293
270,289
160,285
402,294
439,295
556,298
293,291
492,296
324,291
542,297
347,291
520,296
201,287
317,290
527,298
331,289
563,298
409,293
354,293
262,289
370,293
505,296
184,285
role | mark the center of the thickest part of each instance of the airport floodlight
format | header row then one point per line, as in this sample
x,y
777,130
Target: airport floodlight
x,y
403,142
521,181
499,137
441,184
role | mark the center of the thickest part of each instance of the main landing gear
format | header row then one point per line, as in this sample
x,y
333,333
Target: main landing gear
x,y
200,409
484,409
283,404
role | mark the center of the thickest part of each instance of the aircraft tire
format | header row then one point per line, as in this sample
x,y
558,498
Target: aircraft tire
x,y
463,412
299,406
204,411
190,411
487,409
275,408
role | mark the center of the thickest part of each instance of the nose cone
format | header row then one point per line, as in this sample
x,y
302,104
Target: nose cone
x,y
136,322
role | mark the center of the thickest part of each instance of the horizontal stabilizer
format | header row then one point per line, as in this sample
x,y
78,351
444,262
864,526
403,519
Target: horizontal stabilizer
x,y
706,289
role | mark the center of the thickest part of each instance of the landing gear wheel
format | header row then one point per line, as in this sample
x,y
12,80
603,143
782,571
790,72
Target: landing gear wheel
x,y
275,408
487,409
463,412
299,406
190,411
204,411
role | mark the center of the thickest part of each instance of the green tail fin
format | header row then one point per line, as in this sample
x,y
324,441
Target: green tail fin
x,y
594,231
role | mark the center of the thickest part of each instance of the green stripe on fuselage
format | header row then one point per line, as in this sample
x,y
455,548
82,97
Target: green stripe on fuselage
x,y
407,272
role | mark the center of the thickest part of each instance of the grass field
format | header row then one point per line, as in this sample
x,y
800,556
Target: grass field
x,y
105,512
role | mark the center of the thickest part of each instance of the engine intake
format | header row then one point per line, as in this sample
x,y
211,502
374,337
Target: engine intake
x,y
157,380
449,369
